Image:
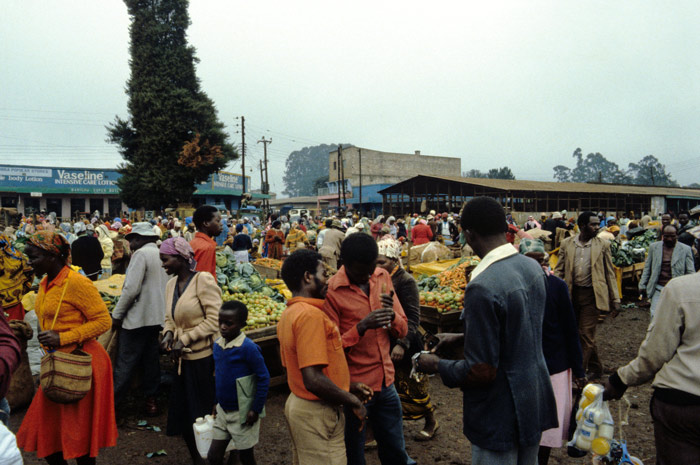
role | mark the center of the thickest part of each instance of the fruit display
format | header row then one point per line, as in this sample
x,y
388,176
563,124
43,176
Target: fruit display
x,y
263,310
445,290
265,299
270,263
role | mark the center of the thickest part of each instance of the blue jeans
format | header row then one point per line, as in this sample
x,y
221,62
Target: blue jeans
x,y
517,456
4,411
385,415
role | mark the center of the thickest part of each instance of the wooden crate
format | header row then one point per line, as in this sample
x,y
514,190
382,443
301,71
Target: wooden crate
x,y
266,272
437,322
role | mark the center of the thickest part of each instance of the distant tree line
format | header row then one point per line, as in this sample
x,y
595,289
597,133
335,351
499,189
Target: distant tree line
x,y
594,167
493,173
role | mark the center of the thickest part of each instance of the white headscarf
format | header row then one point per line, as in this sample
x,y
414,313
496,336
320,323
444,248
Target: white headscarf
x,y
389,247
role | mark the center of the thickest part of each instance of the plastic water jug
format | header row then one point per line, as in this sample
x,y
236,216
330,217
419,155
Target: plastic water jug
x,y
203,434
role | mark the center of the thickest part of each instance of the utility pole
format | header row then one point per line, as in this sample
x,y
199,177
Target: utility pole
x,y
342,168
265,186
651,171
359,153
337,172
243,150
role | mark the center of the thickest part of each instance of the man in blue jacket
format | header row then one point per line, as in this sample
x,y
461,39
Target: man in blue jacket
x,y
508,398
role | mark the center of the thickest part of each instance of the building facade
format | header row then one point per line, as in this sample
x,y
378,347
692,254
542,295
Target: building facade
x,y
367,171
72,191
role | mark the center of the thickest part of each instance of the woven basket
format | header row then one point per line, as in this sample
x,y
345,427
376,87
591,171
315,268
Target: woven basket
x,y
66,377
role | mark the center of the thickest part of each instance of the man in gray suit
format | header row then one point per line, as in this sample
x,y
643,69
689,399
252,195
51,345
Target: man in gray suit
x,y
139,316
667,259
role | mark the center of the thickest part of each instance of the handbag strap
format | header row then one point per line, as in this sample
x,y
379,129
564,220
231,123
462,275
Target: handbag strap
x,y
60,302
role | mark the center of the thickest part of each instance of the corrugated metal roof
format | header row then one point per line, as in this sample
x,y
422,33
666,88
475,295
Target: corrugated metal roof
x,y
571,187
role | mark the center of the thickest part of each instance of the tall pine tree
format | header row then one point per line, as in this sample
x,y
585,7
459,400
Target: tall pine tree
x,y
172,138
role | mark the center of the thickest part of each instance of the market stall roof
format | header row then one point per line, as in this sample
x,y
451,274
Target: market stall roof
x,y
507,185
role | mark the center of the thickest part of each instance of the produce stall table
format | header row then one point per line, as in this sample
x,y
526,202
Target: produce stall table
x,y
436,322
266,272
266,338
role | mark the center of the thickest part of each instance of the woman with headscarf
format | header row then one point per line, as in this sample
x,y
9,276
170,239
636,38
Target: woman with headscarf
x,y
107,249
15,279
414,394
377,225
192,303
561,348
274,239
421,233
296,239
70,313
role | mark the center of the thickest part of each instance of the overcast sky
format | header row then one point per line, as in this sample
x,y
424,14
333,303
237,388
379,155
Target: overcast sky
x,y
516,83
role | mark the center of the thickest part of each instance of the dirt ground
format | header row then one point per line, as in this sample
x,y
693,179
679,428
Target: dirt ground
x,y
618,341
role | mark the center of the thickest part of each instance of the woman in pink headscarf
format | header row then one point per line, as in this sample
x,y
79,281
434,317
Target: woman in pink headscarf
x,y
192,303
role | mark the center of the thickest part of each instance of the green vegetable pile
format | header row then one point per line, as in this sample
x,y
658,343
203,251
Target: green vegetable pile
x,y
241,278
634,250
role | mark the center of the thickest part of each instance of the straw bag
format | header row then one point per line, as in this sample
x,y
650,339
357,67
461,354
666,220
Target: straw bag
x,y
65,377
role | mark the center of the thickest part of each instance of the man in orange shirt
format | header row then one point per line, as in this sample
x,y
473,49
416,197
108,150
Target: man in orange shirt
x,y
361,301
207,220
317,373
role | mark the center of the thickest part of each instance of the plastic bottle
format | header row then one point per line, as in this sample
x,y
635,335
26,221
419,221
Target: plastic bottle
x,y
203,434
606,430
594,415
588,431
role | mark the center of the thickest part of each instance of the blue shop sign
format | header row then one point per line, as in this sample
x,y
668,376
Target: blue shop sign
x,y
15,178
223,183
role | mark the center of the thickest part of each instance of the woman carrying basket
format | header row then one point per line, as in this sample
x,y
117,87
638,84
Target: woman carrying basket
x,y
71,313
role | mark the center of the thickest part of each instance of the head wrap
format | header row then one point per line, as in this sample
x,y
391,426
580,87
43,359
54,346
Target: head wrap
x,y
179,247
389,247
65,227
239,228
531,246
614,228
422,221
53,243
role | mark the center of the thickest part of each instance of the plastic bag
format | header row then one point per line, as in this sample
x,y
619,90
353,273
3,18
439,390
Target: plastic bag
x,y
594,423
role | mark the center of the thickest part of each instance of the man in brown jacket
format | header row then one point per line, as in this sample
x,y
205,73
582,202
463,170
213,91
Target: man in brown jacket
x,y
585,263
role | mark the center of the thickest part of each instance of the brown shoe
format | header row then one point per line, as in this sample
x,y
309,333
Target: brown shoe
x,y
152,407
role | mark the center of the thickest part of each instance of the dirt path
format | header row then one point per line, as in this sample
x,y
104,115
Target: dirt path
x,y
618,340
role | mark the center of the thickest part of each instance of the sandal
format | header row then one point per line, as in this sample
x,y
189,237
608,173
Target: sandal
x,y
423,435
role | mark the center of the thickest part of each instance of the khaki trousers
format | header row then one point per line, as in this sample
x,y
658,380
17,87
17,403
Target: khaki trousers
x,y
317,430
587,315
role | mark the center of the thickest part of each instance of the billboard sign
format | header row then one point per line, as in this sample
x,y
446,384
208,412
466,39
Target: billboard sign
x,y
58,180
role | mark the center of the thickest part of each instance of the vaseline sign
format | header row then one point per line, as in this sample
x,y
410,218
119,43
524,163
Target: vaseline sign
x,y
64,180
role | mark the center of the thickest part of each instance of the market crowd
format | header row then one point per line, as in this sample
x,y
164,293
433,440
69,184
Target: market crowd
x,y
357,359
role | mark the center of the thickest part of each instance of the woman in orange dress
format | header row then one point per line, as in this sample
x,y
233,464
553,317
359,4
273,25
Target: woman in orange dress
x,y
59,432
274,238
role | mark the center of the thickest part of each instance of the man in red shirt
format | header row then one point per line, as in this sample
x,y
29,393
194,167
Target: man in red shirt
x,y
317,372
207,220
361,301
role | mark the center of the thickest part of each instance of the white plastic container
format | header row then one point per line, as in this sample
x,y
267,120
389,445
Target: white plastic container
x,y
606,430
203,434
